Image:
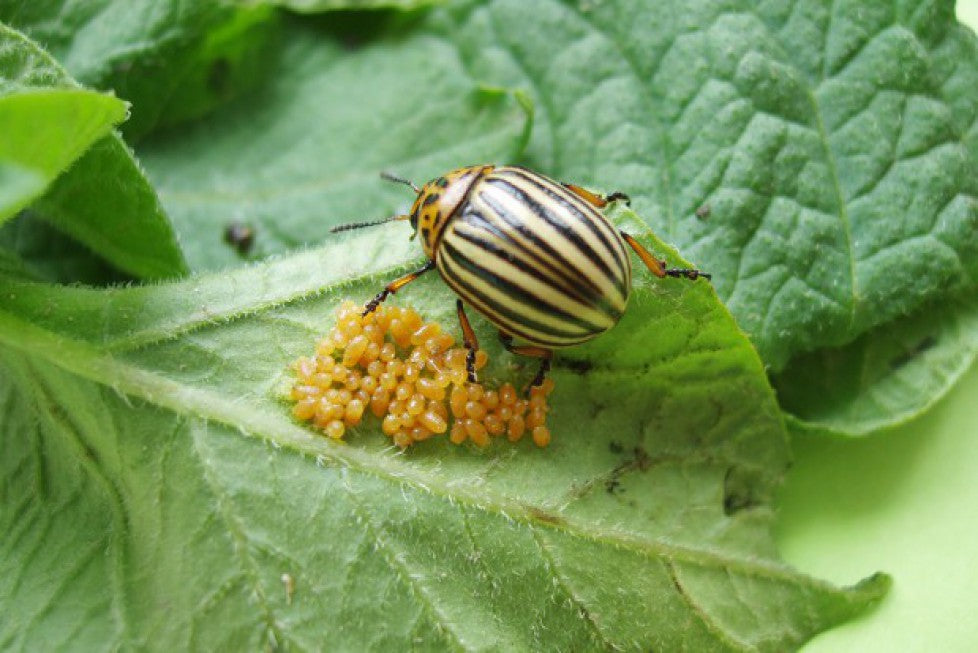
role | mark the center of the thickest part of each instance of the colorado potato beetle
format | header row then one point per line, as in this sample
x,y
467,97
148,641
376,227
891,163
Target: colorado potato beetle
x,y
535,256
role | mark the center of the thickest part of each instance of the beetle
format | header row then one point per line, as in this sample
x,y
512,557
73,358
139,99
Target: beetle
x,y
535,256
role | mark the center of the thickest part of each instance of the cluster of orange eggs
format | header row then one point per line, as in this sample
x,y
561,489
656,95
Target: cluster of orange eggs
x,y
408,373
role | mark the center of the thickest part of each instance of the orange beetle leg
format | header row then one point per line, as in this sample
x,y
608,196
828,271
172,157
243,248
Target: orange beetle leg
x,y
394,286
657,267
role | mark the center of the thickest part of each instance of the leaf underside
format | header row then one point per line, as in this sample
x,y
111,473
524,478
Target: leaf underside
x,y
887,376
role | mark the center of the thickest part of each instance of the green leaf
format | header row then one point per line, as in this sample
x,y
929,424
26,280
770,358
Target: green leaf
x,y
137,477
45,131
315,6
17,186
894,372
233,57
32,248
172,60
841,193
888,376
306,154
104,200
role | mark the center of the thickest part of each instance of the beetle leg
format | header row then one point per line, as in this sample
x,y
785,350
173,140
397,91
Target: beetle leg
x,y
394,286
468,337
597,200
545,356
657,267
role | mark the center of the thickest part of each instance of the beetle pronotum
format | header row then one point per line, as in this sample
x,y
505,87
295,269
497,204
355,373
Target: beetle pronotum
x,y
536,257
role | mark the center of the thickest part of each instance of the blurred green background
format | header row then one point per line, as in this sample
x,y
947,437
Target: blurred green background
x,y
903,501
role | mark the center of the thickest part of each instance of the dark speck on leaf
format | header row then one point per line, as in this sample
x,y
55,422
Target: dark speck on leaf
x,y
219,76
615,447
703,212
642,461
239,236
577,367
735,498
733,503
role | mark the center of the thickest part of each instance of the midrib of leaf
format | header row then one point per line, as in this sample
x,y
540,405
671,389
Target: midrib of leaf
x,y
290,291
840,201
90,363
656,122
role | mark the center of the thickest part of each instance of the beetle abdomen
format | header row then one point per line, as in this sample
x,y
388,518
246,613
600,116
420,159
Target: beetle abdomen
x,y
535,259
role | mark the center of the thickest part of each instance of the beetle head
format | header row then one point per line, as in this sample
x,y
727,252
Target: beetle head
x,y
438,201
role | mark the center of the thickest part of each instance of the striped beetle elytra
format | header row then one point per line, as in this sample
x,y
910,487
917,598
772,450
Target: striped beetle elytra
x,y
536,257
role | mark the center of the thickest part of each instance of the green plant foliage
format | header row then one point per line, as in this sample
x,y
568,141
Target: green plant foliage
x,y
887,376
34,249
313,6
828,140
817,158
17,186
103,200
306,155
136,462
44,131
172,60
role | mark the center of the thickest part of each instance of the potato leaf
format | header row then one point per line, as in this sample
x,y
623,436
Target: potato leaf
x,y
103,200
44,131
139,473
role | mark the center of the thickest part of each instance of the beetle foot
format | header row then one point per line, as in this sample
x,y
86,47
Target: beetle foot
x,y
538,379
689,273
375,302
470,365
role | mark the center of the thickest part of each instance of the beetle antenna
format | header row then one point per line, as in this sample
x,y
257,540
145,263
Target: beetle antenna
x,y
400,180
360,225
